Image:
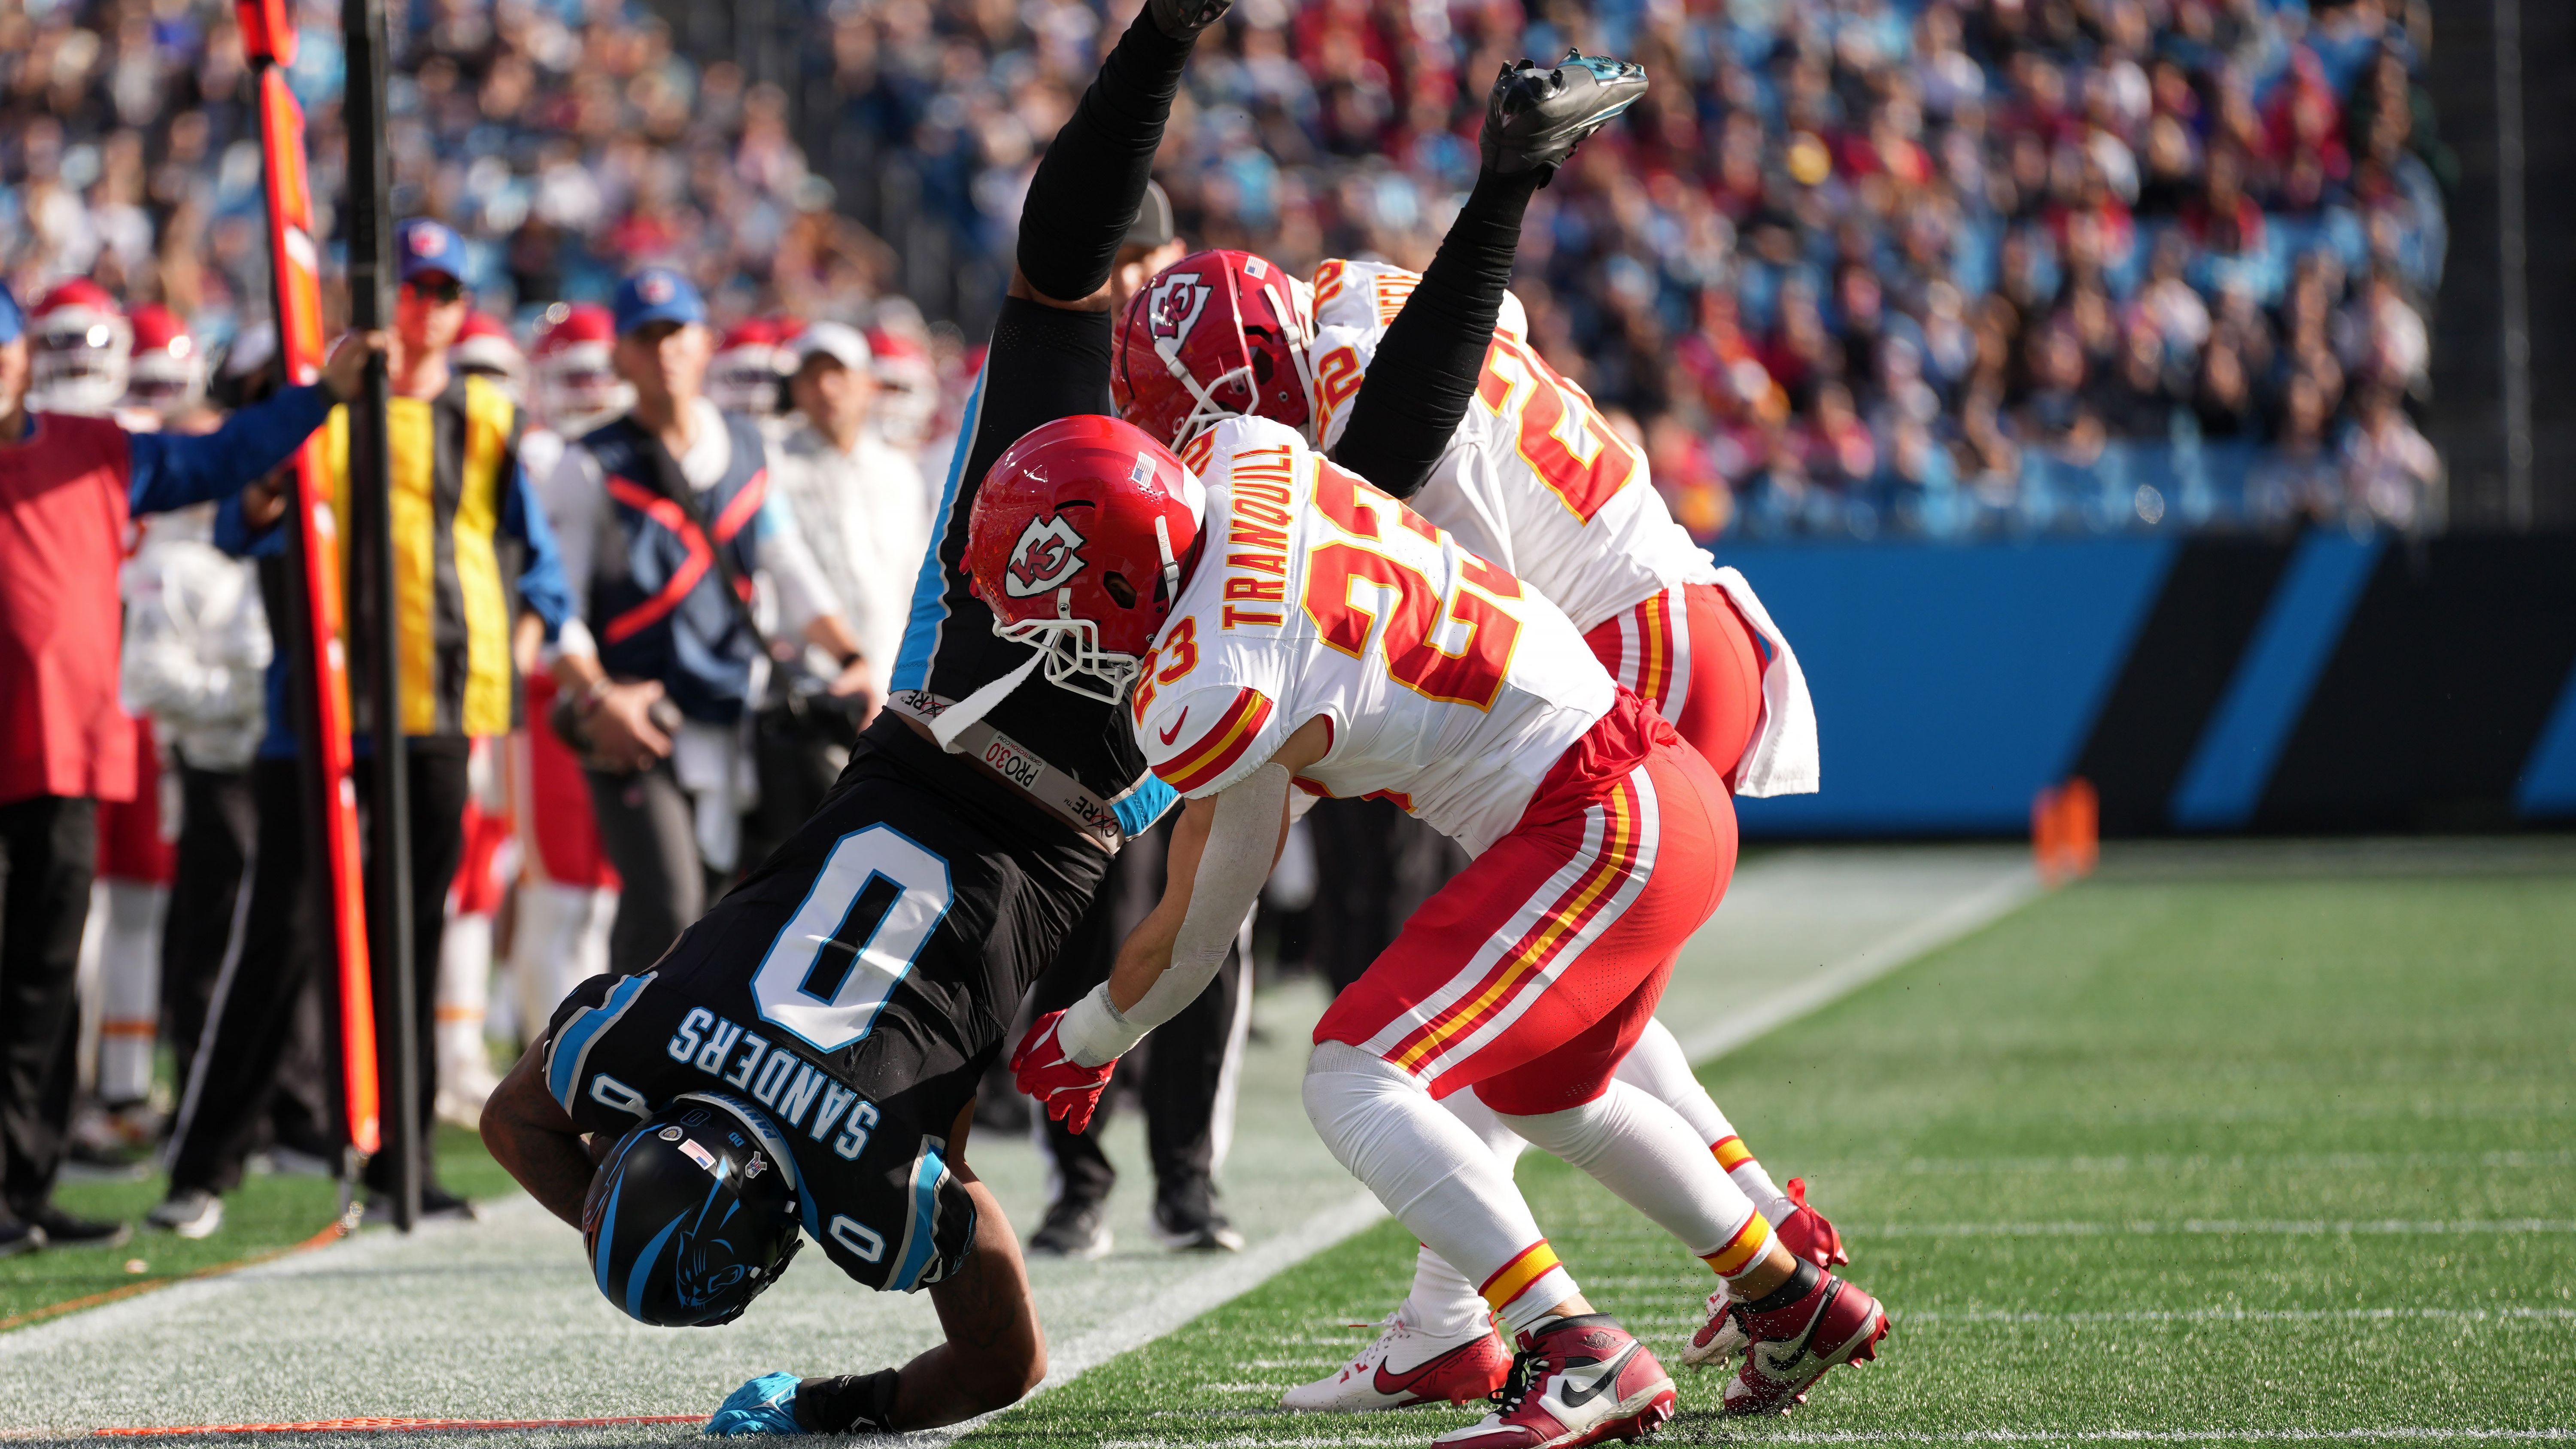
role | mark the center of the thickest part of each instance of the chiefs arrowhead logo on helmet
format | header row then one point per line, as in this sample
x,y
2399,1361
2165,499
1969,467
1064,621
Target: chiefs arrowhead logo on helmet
x,y
1175,302
1044,557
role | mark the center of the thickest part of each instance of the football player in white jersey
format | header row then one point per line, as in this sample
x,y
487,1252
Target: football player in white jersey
x,y
1494,445
1314,635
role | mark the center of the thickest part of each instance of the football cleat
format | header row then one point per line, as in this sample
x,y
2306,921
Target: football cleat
x,y
1537,116
1074,1228
1406,1366
1792,1347
1719,1339
1807,1234
766,1405
1577,1381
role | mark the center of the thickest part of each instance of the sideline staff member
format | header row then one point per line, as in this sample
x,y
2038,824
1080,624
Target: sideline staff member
x,y
633,503
460,505
68,485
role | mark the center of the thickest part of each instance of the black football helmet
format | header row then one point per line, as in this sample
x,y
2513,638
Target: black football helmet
x,y
694,1213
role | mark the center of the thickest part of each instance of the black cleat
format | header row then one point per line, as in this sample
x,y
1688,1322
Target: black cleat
x,y
1189,1221
1184,19
1073,1229
1536,116
62,1230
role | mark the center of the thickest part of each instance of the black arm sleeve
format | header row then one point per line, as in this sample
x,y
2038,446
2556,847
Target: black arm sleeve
x,y
1088,186
1424,375
1044,363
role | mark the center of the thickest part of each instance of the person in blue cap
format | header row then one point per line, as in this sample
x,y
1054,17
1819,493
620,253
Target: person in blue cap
x,y
68,485
461,507
665,517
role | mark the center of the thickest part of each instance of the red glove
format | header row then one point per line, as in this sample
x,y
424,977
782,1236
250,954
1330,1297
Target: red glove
x,y
1807,1234
1068,1090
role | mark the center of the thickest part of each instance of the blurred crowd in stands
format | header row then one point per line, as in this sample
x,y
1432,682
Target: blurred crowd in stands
x,y
1855,268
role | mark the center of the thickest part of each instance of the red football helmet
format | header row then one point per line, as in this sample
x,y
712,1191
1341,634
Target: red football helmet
x,y
83,344
744,375
167,374
1077,543
1215,335
484,345
577,387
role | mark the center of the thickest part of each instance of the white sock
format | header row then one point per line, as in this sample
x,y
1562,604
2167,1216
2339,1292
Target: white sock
x,y
1443,1303
129,967
1658,1066
1643,1151
464,995
1438,1179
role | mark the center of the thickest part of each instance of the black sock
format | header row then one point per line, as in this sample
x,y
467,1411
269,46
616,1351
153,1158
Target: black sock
x,y
1425,372
1802,1281
1087,188
848,1404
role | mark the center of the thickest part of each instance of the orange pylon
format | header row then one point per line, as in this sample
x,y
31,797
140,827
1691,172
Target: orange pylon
x,y
2066,831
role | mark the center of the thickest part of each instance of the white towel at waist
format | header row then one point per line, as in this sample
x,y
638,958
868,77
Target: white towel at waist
x,y
1781,757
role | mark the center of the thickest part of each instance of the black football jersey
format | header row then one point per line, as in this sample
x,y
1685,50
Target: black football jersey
x,y
854,988
1044,364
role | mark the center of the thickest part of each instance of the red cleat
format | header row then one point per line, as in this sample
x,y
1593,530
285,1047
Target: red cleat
x,y
1792,1347
1406,1366
1807,1234
1578,1381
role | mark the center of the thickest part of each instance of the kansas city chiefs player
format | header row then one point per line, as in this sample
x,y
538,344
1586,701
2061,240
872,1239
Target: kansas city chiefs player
x,y
1321,637
1492,444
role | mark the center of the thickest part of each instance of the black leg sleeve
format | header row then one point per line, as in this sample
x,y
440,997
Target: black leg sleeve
x,y
1083,1172
1424,375
1088,186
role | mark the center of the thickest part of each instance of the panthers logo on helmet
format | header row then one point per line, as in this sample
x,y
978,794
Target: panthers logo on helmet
x,y
1174,306
1045,557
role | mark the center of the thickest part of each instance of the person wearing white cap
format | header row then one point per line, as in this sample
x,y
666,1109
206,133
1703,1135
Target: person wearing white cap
x,y
860,507
858,500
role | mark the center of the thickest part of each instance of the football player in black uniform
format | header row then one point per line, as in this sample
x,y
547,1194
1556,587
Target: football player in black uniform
x,y
803,1060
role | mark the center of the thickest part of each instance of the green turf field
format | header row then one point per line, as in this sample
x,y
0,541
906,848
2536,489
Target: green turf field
x,y
2172,1157
266,1215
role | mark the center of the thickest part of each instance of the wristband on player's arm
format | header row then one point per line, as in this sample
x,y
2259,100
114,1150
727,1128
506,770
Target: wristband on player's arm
x,y
848,1403
1242,843
1424,375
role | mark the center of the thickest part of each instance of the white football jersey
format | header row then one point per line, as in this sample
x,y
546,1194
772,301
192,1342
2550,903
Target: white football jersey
x,y
1534,479
1451,689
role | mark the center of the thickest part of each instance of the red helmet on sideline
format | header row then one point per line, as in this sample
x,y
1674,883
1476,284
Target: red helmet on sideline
x,y
167,373
82,345
577,388
744,375
1216,334
484,345
1077,542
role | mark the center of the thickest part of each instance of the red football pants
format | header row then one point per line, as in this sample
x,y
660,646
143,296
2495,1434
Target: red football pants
x,y
1530,975
1689,653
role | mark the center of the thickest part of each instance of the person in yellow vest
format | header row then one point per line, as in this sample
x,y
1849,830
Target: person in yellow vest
x,y
471,552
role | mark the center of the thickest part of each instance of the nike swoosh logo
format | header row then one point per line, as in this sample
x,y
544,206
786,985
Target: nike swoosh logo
x,y
1389,1383
1579,1391
1174,732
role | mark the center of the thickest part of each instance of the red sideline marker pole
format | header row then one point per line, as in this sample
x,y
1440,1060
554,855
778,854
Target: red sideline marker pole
x,y
313,555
